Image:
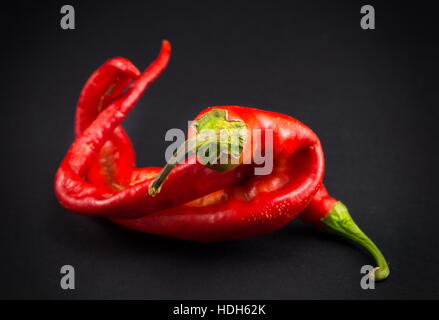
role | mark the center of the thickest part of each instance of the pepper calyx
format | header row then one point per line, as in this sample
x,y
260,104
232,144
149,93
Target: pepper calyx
x,y
339,221
218,144
219,140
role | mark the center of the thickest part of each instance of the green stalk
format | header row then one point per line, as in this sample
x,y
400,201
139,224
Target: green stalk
x,y
339,221
208,128
179,155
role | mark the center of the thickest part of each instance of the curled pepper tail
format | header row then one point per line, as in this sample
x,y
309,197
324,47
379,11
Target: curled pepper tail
x,y
339,221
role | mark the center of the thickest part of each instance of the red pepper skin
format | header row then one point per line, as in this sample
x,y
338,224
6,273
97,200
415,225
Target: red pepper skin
x,y
263,203
103,87
318,208
71,189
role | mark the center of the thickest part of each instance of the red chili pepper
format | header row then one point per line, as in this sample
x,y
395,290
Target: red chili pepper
x,y
120,191
202,203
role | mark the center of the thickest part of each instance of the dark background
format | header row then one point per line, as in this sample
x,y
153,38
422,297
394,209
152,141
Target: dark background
x,y
371,96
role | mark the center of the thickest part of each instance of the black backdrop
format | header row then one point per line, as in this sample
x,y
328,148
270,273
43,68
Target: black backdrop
x,y
369,95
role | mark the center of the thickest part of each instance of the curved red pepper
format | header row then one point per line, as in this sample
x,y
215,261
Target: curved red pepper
x,y
259,204
98,175
125,196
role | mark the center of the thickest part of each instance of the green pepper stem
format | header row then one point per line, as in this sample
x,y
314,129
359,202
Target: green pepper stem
x,y
339,221
209,127
187,147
